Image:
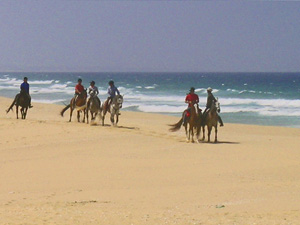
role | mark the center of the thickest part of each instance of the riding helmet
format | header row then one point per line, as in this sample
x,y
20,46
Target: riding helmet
x,y
79,80
111,82
209,89
92,82
192,89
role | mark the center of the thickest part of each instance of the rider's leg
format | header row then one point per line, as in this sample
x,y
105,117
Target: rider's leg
x,y
88,102
204,115
29,97
98,101
185,117
220,121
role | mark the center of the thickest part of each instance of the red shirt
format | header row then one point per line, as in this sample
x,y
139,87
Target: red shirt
x,y
79,88
192,98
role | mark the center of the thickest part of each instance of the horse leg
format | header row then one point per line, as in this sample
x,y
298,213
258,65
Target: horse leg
x,y
17,111
84,115
112,119
208,132
203,131
71,112
192,133
186,133
24,113
117,119
103,117
87,115
198,131
78,116
216,134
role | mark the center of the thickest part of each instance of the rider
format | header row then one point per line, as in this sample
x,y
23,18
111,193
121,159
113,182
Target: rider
x,y
93,92
78,88
112,90
24,89
190,99
210,100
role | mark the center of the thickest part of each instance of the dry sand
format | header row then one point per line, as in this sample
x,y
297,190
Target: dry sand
x,y
55,172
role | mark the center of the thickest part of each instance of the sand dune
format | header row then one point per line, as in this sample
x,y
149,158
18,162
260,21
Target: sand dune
x,y
55,172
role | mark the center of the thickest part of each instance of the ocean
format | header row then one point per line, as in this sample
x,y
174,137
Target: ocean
x,y
271,99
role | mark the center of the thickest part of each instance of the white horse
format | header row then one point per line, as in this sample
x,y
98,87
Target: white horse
x,y
114,109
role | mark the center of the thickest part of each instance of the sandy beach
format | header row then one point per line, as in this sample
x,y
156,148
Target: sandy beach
x,y
56,172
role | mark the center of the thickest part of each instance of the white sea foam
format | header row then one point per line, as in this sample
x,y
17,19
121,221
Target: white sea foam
x,y
41,82
161,108
150,87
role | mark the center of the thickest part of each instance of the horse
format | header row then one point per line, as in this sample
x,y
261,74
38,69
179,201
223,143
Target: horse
x,y
211,120
79,103
113,109
193,121
22,100
94,107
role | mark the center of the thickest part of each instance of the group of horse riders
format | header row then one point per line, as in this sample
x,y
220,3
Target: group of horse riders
x,y
79,88
192,98
93,91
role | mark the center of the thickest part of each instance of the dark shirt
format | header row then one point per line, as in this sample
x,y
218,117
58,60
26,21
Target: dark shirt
x,y
112,91
25,87
210,100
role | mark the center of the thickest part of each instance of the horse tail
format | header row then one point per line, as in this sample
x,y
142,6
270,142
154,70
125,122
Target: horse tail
x,y
65,109
176,126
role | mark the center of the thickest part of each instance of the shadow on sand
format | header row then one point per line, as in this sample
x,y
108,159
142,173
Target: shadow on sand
x,y
222,142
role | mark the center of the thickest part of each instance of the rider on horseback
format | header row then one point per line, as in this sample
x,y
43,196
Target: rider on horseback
x,y
210,100
78,89
93,92
191,99
112,90
24,90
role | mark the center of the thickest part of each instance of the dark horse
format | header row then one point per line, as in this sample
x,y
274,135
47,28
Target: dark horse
x,y
193,122
211,120
79,103
94,107
22,100
113,109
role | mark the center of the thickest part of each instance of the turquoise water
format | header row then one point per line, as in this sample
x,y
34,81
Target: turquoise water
x,y
248,98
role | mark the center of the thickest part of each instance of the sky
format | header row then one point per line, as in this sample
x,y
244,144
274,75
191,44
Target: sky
x,y
149,36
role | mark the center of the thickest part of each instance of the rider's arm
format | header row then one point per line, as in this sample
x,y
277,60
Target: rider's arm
x,y
76,90
117,91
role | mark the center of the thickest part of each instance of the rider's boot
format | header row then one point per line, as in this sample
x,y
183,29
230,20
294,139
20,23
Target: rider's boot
x,y
30,106
221,122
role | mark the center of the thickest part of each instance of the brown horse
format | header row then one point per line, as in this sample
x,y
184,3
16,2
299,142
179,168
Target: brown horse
x,y
21,100
192,122
113,109
211,120
79,103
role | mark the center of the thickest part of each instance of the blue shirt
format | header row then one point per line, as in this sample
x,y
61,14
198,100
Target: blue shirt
x,y
25,86
112,91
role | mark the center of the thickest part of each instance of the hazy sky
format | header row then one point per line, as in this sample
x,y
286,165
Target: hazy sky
x,y
164,36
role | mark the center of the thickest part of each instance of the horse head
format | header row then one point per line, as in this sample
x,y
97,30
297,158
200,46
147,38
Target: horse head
x,y
118,101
